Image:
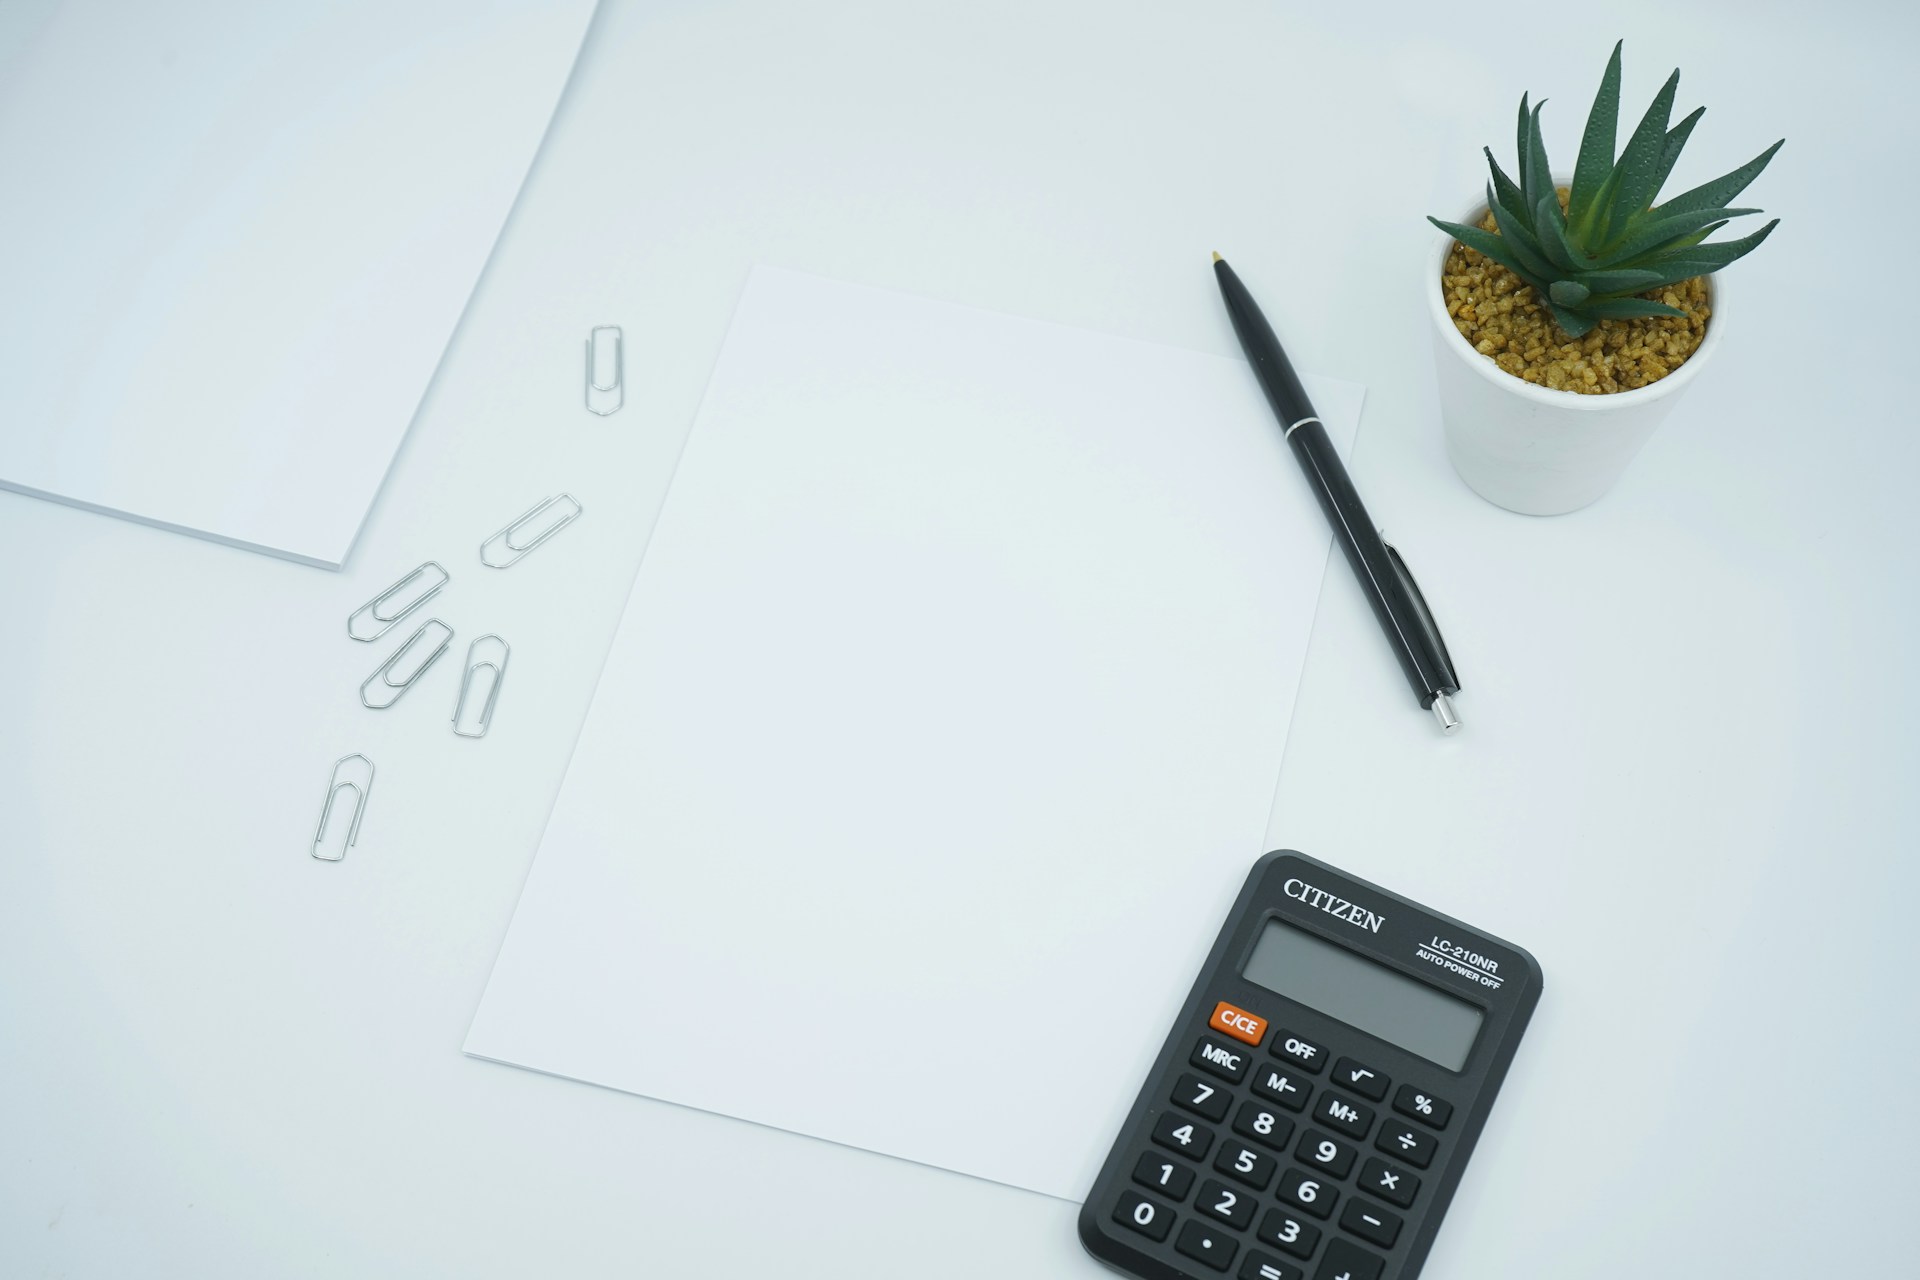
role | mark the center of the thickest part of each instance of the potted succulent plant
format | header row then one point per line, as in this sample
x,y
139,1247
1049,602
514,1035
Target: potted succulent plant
x,y
1569,316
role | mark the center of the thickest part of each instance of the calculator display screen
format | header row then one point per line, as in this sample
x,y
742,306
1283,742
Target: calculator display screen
x,y
1379,1001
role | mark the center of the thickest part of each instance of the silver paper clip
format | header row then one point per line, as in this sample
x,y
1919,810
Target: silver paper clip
x,y
370,615
569,511
497,669
391,689
335,785
611,387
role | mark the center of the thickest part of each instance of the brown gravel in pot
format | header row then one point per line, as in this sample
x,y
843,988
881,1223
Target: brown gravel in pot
x,y
1499,316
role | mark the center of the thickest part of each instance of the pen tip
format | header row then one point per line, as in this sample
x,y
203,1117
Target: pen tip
x,y
1217,257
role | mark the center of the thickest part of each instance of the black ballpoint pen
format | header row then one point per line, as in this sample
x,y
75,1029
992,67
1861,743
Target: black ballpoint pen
x,y
1396,600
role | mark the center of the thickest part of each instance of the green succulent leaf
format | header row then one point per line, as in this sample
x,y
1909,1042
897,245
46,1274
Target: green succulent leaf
x,y
1637,280
1494,247
1687,242
1518,236
1672,270
1711,257
1628,308
1674,273
1711,195
1568,293
1589,231
1551,227
1536,176
1507,191
1636,177
1576,324
1590,172
1520,151
1651,232
1676,141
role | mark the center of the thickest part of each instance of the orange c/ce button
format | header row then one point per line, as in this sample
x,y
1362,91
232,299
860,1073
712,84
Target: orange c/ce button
x,y
1237,1023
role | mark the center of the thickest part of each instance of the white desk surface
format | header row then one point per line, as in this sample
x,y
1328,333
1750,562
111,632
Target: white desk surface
x,y
1686,782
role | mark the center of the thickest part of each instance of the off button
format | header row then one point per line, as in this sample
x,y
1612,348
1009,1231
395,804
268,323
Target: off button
x,y
1300,1050
1237,1023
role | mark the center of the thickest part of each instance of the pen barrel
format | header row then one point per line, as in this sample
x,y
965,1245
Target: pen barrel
x,y
1264,352
1396,601
1390,589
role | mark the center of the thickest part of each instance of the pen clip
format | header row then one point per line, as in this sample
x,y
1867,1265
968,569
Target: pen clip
x,y
1429,629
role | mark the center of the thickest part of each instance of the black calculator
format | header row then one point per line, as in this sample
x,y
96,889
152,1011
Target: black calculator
x,y
1315,1104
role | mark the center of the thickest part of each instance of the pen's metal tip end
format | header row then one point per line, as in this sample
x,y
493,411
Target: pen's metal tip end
x,y
1443,712
1217,257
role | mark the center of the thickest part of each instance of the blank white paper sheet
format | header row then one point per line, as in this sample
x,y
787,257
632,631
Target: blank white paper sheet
x,y
237,236
941,729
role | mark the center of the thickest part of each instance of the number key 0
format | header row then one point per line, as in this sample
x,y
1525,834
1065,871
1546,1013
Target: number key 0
x,y
1140,1214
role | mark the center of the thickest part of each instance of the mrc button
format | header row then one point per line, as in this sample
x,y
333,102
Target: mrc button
x,y
1237,1023
1221,1058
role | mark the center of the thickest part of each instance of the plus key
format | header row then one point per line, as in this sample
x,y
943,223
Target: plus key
x,y
1347,1261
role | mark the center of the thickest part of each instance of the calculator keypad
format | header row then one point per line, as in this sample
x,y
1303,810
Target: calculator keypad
x,y
1261,1266
1137,1213
1229,1204
1260,1123
1346,1261
1329,1155
1223,1058
1289,1232
1206,1244
1282,1085
1201,1097
1371,1222
1238,1023
1394,1185
1360,1078
1169,1177
1310,1191
1422,1106
1349,1117
1176,1132
1299,1050
1408,1143
1244,1164
1293,1183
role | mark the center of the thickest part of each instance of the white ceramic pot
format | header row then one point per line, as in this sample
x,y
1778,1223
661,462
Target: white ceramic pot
x,y
1532,449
